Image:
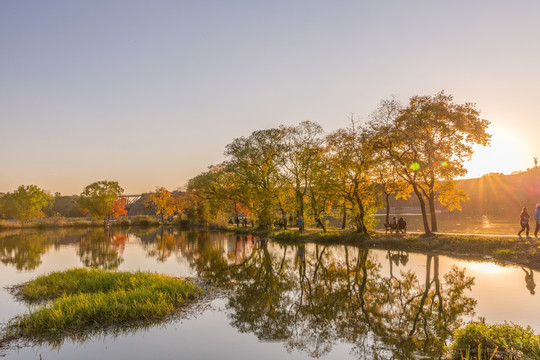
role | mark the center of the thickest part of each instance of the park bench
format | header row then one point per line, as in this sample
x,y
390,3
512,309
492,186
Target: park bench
x,y
391,227
394,227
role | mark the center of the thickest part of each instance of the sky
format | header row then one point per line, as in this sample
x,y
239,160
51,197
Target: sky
x,y
149,93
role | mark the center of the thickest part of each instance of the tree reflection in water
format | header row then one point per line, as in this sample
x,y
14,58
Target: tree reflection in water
x,y
308,296
24,249
312,297
102,248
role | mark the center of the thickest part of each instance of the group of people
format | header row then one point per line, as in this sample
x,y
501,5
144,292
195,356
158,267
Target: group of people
x,y
399,225
524,220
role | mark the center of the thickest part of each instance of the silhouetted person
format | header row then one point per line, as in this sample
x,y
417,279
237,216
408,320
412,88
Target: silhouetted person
x,y
537,218
529,280
236,221
524,221
402,224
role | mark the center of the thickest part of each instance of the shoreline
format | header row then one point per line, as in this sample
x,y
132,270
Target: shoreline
x,y
500,248
503,249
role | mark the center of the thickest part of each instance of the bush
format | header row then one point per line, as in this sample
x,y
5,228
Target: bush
x,y
511,341
145,220
124,222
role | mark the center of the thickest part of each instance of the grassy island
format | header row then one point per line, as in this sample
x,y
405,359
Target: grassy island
x,y
91,299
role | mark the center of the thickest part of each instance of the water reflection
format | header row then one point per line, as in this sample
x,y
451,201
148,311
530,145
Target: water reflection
x,y
24,249
308,297
311,297
529,280
102,249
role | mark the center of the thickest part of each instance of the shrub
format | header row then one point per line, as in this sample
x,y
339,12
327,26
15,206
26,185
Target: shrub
x,y
511,341
145,220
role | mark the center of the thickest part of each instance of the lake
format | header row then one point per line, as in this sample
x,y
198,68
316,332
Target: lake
x,y
456,222
276,301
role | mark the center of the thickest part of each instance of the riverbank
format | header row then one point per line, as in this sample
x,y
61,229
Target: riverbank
x,y
62,222
500,248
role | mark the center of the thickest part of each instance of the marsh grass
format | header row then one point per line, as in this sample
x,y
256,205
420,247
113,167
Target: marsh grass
x,y
85,300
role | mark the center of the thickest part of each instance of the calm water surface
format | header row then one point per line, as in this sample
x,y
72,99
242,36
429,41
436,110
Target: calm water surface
x,y
282,301
456,222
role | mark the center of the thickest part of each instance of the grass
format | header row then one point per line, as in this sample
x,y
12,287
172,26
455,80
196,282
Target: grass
x,y
499,341
82,299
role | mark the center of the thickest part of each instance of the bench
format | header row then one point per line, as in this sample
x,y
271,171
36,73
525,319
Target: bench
x,y
394,227
391,227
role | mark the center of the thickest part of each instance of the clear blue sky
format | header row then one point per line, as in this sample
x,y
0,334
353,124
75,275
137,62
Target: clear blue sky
x,y
148,93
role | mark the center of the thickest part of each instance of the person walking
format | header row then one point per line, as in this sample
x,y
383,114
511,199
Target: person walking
x,y
300,224
537,218
524,221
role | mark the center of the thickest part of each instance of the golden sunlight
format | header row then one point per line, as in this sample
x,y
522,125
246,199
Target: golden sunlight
x,y
505,155
486,268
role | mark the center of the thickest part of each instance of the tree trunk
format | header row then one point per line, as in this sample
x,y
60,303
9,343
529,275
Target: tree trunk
x,y
423,209
300,201
344,220
318,219
361,214
387,197
433,215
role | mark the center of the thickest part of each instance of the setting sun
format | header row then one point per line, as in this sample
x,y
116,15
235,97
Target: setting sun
x,y
506,154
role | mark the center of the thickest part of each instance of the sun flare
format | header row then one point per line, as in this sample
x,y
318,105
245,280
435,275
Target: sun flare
x,y
506,154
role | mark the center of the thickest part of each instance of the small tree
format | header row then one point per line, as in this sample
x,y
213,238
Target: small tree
x,y
100,200
162,202
27,203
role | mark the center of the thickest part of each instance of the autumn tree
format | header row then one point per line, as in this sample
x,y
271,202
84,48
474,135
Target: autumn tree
x,y
351,157
321,193
255,161
162,202
389,184
101,200
220,192
303,148
27,203
427,142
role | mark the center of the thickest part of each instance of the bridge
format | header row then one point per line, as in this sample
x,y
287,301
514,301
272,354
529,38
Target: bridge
x,y
130,200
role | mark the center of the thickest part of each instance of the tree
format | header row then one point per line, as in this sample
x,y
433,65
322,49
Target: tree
x,y
303,147
352,159
255,161
428,141
161,201
27,203
101,200
389,183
